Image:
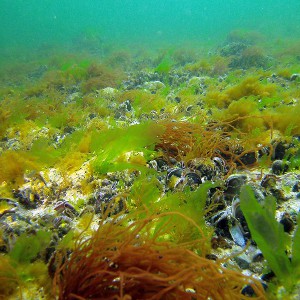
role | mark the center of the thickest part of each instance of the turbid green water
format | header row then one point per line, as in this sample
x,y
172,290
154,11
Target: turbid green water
x,y
31,23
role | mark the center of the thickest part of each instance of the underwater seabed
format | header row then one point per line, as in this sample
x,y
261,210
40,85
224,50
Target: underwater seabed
x,y
137,174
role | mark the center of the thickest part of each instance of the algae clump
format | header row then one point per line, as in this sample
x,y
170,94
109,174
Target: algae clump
x,y
112,145
271,238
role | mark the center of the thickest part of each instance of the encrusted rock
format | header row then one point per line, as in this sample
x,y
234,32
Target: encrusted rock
x,y
154,86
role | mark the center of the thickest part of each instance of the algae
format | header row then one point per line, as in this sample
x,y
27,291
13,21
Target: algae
x,y
271,238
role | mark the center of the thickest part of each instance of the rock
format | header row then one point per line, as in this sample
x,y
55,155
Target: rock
x,y
234,48
72,97
124,110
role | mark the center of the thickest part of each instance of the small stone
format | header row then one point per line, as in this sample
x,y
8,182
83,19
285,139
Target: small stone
x,y
254,254
268,276
248,291
92,116
69,129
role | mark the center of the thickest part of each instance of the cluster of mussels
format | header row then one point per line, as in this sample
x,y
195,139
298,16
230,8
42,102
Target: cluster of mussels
x,y
224,214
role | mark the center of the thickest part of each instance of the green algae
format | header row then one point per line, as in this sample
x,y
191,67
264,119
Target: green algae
x,y
146,194
165,65
23,266
27,247
271,238
110,145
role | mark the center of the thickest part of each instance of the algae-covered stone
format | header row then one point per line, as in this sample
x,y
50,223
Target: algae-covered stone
x,y
154,86
197,81
109,93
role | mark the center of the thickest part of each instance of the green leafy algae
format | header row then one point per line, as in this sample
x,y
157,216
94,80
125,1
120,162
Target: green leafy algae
x,y
28,247
271,238
146,193
110,145
165,66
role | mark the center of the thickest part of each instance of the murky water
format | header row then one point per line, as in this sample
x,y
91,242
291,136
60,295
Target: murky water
x,y
32,23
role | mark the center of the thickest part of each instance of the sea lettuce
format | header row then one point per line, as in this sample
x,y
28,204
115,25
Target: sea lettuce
x,y
111,145
271,238
181,213
27,247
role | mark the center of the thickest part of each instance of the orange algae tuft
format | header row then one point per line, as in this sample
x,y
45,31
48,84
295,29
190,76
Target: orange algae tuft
x,y
187,141
138,261
100,76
